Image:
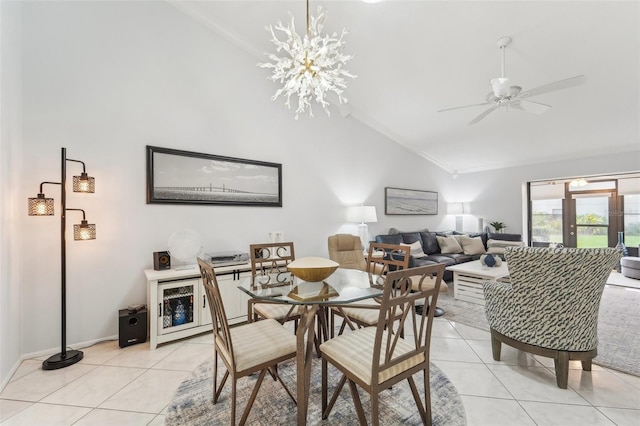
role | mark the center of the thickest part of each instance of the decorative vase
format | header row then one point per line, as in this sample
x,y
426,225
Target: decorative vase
x,y
490,261
623,249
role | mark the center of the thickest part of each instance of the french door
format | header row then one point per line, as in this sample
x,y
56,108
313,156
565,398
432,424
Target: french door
x,y
590,221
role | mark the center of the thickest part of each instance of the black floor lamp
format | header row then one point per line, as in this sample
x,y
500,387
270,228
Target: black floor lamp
x,y
41,206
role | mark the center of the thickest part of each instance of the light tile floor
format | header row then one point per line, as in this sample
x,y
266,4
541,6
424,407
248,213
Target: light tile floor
x,y
133,385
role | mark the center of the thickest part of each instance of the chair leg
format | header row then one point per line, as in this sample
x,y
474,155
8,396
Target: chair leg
x,y
426,420
334,398
233,401
356,401
586,365
215,376
375,409
252,398
496,347
562,369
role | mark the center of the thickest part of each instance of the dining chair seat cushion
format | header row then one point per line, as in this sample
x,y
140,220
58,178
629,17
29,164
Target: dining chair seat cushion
x,y
364,315
428,283
260,342
354,352
276,311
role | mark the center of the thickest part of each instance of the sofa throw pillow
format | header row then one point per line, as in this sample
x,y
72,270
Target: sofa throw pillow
x,y
416,249
498,246
472,245
449,245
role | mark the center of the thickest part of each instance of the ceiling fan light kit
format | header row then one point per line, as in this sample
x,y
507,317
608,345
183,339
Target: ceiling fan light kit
x,y
504,94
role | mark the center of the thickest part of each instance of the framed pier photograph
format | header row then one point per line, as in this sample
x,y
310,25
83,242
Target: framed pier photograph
x,y
184,177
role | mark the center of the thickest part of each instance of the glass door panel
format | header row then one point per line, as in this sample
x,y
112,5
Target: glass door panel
x,y
632,220
546,221
591,220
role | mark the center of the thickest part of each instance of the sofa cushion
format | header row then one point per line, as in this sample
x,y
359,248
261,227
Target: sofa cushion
x,y
461,257
449,245
504,237
421,261
498,246
429,243
416,249
397,231
410,237
472,245
446,259
389,239
483,236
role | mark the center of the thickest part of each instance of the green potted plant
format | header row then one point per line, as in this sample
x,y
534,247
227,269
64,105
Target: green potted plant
x,y
498,226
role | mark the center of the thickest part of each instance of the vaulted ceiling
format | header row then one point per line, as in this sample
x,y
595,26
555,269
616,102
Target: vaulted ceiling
x,y
413,58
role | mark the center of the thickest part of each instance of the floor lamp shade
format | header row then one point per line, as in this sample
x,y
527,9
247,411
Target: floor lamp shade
x,y
42,206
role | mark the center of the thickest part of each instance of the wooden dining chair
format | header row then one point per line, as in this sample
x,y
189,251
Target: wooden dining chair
x,y
382,259
376,358
269,258
245,349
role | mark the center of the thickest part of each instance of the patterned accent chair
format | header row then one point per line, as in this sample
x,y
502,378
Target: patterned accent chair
x,y
550,307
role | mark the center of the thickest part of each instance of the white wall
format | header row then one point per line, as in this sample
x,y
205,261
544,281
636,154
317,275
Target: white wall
x,y
10,167
497,195
106,79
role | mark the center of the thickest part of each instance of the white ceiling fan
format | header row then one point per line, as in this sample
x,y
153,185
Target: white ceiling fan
x,y
503,94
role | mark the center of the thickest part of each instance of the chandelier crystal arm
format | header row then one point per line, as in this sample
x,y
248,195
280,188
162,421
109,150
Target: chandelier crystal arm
x,y
311,66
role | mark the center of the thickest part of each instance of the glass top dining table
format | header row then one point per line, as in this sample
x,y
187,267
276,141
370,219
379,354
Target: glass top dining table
x,y
342,287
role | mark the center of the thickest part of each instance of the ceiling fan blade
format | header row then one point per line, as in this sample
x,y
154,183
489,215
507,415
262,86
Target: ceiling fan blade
x,y
483,115
464,106
534,107
552,87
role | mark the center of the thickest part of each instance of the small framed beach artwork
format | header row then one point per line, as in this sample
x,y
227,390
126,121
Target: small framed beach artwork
x,y
410,201
184,177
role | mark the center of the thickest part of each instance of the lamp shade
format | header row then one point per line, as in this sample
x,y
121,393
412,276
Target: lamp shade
x,y
362,214
84,231
455,208
84,183
40,206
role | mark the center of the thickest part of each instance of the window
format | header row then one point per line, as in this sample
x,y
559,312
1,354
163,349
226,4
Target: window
x,y
546,221
632,220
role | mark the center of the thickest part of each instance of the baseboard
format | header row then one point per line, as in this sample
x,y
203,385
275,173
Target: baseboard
x,y
6,380
49,352
79,345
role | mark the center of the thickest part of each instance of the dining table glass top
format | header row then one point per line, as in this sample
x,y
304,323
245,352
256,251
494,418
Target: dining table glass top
x,y
343,286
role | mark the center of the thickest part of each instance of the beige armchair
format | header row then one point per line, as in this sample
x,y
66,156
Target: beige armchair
x,y
347,250
550,307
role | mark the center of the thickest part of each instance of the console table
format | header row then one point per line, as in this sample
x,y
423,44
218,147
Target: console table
x,y
469,276
180,290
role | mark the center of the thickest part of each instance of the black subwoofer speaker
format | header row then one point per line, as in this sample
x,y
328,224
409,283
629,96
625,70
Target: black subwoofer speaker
x,y
132,327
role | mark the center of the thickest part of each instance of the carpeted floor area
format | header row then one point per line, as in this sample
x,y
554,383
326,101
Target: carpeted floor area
x,y
192,406
618,325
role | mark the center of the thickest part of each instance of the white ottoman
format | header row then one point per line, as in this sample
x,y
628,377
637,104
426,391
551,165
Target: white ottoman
x,y
630,267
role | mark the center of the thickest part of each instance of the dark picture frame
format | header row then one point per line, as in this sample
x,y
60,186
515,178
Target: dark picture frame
x,y
185,177
399,201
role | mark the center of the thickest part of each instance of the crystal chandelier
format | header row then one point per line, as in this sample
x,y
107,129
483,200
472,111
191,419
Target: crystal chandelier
x,y
312,65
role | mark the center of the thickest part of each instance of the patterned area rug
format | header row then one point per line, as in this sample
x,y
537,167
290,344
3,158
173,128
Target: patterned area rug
x,y
191,404
618,325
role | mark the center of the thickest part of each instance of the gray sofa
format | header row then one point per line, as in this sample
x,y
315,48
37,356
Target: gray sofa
x,y
492,242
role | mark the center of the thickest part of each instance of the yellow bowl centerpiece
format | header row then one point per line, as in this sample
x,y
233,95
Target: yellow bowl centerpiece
x,y
312,268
